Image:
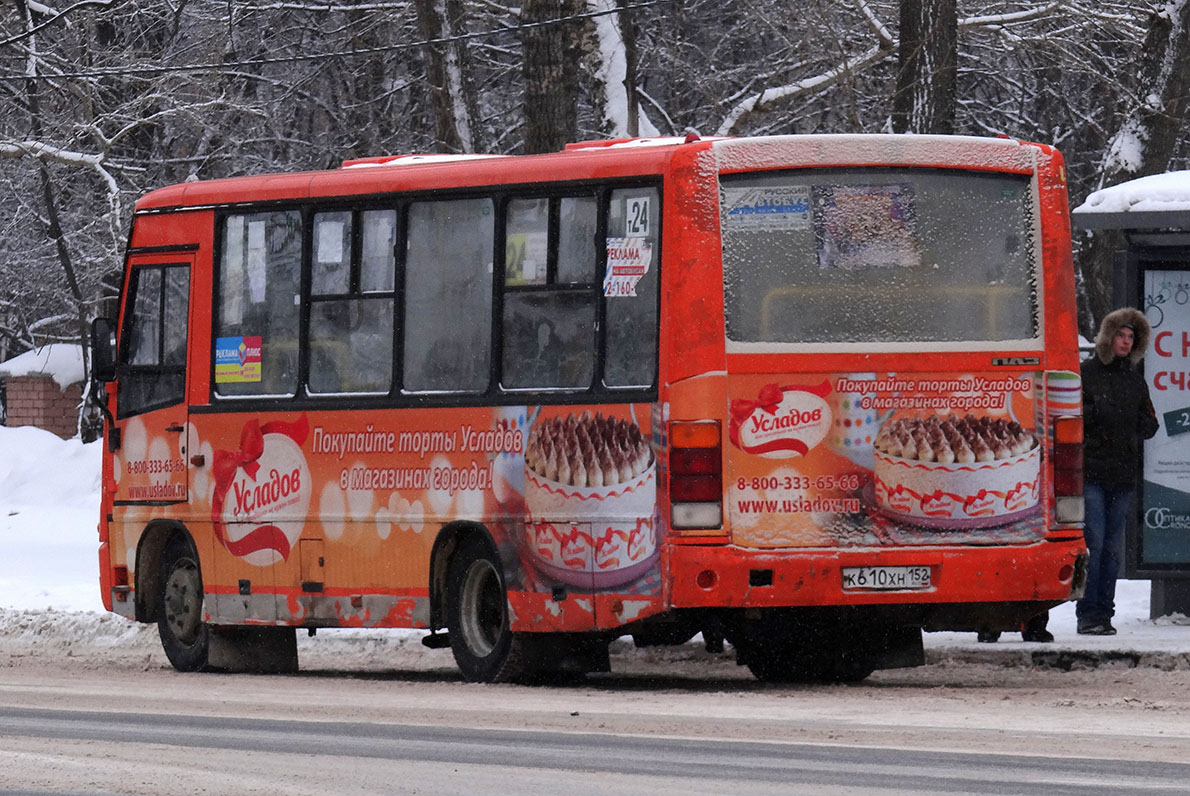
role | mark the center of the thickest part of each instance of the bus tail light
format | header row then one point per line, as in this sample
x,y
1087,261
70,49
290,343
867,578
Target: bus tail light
x,y
695,475
1068,469
120,583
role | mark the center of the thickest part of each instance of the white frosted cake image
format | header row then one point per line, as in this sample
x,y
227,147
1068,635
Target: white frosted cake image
x,y
590,495
953,472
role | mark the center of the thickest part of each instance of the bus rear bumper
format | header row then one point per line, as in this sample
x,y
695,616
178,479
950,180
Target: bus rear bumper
x,y
726,576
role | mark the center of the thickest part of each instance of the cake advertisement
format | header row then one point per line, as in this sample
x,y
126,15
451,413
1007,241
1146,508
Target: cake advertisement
x,y
1165,497
321,508
883,458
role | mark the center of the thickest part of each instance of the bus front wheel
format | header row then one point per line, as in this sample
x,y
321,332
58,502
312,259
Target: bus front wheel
x,y
184,636
484,647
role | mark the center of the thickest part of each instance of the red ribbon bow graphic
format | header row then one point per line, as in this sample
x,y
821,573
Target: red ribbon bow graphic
x,y
768,400
225,466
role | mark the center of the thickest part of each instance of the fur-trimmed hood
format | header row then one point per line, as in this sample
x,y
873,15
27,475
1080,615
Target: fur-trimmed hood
x,y
1114,322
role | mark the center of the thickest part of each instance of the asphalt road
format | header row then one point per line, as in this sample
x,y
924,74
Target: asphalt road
x,y
88,709
497,760
76,726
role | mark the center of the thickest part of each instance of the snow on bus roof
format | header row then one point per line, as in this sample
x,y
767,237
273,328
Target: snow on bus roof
x,y
861,149
62,362
412,160
636,143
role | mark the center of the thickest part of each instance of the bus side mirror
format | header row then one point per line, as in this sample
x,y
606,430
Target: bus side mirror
x,y
103,350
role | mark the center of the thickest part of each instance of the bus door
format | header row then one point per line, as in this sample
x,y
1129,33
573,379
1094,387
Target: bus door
x,y
151,406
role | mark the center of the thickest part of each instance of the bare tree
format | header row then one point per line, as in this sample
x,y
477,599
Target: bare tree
x,y
134,94
448,75
1146,140
924,101
550,39
612,61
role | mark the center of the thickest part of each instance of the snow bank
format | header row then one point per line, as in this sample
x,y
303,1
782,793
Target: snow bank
x,y
49,516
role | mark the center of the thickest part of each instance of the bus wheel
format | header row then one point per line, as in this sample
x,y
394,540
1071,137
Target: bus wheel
x,y
484,647
184,636
777,663
786,663
851,669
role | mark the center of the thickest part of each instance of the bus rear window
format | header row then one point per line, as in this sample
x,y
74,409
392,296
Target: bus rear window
x,y
878,255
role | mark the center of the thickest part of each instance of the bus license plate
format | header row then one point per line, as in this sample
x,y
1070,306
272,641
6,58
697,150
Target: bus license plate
x,y
886,578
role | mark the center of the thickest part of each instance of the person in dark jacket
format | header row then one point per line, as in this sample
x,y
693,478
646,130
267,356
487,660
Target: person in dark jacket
x,y
1117,416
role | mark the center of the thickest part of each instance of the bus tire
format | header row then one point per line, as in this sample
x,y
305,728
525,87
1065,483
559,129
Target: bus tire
x,y
773,663
184,636
851,669
485,648
788,663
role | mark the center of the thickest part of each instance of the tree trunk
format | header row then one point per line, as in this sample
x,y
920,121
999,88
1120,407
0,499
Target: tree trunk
x,y
926,78
629,33
551,51
448,75
610,48
1145,142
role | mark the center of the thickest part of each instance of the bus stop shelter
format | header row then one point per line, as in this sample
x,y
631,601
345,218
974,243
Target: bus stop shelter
x,y
1152,272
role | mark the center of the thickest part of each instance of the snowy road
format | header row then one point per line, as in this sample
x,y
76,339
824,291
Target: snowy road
x,y
105,714
446,759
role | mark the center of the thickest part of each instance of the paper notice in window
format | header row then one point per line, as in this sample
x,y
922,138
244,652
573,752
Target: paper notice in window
x,y
233,272
328,245
256,261
628,260
767,208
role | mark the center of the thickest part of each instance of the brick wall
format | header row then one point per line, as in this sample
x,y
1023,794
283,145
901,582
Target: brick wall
x,y
37,401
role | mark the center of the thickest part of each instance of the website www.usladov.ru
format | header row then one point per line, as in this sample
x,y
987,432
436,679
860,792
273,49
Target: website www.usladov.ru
x,y
795,505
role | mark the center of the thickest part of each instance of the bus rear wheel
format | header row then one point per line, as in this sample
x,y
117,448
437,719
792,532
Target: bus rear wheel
x,y
184,636
485,648
790,663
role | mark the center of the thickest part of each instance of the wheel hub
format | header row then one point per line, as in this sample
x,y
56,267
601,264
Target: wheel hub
x,y
482,608
183,602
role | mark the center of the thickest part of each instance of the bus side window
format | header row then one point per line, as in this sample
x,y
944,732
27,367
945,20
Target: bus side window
x,y
153,365
351,311
448,296
258,312
578,218
549,299
631,358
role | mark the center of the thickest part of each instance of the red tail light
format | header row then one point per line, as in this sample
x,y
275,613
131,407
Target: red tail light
x,y
695,474
1068,469
1068,456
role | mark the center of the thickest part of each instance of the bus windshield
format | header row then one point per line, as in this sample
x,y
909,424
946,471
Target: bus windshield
x,y
878,255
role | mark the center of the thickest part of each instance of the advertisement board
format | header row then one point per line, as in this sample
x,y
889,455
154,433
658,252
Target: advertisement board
x,y
874,459
1164,530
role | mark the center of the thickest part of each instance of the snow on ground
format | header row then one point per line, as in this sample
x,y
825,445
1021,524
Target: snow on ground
x,y
49,516
49,499
60,361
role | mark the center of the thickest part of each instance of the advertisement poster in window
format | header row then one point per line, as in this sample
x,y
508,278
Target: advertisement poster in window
x,y
866,226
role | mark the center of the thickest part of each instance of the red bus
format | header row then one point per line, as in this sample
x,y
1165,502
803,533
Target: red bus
x,y
810,394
